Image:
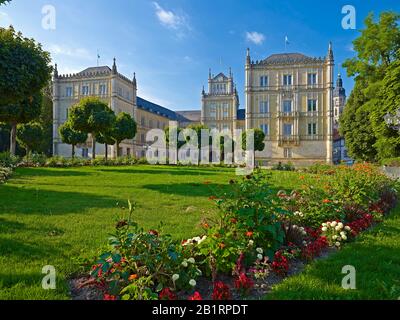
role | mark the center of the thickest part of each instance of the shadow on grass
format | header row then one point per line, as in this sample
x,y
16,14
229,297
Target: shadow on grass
x,y
181,171
16,200
51,172
190,189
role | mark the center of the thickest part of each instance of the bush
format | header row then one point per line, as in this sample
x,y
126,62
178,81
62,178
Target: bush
x,y
5,173
391,162
8,160
284,167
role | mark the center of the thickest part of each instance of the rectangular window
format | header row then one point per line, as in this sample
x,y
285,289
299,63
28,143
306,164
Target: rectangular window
x,y
213,111
287,129
312,129
287,106
226,113
225,127
102,89
143,122
85,153
287,153
264,81
311,105
311,78
265,128
85,90
264,107
142,138
68,92
128,151
287,80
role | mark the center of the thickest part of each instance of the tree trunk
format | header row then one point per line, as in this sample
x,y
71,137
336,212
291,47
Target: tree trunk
x,y
106,152
117,149
13,138
93,146
73,151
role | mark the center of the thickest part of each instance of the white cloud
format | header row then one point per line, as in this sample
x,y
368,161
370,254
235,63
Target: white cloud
x,y
350,48
187,59
255,37
5,20
62,50
172,20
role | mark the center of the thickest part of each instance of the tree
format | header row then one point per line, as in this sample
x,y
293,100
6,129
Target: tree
x,y
29,136
106,139
70,136
22,112
259,137
46,120
361,124
92,116
125,128
388,139
4,2
24,69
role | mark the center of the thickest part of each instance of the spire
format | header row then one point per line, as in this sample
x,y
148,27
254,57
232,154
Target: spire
x,y
134,79
209,73
55,74
230,72
330,52
114,68
203,92
248,56
339,81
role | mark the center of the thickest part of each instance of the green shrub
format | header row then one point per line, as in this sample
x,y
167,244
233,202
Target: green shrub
x,y
5,173
391,162
8,160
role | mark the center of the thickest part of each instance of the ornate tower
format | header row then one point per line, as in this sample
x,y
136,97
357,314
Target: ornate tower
x,y
339,100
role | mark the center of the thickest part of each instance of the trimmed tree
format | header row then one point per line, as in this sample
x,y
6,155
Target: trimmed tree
x,y
92,116
24,69
70,136
259,137
30,136
22,112
106,139
125,128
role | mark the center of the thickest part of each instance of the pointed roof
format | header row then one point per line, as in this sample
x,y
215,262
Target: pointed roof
x,y
95,70
289,58
219,75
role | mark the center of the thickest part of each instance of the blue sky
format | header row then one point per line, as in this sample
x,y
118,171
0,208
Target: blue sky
x,y
171,44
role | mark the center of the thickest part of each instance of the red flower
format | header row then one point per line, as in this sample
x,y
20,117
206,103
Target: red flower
x,y
222,245
212,198
167,294
249,234
234,220
326,201
221,291
153,233
280,265
195,296
243,284
109,297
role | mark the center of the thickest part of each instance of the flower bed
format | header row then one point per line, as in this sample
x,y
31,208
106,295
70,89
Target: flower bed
x,y
258,238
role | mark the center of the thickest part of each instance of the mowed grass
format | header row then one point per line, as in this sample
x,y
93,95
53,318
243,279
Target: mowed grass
x,y
375,256
58,217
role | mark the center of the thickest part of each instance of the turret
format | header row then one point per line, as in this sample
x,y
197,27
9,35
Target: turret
x,y
114,67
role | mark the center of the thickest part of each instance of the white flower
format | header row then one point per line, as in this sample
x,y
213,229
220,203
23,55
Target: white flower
x,y
342,233
259,250
175,277
197,239
304,233
191,260
347,228
294,226
344,237
334,223
324,229
337,228
334,237
324,224
328,224
251,242
259,256
337,244
192,282
340,225
184,264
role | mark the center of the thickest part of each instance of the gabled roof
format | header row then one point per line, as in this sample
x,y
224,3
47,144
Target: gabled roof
x,y
289,58
94,70
221,74
157,109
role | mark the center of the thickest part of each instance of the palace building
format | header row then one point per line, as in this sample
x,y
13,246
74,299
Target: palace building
x,y
290,97
120,93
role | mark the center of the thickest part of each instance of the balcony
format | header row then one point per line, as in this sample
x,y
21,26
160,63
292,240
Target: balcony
x,y
288,114
284,140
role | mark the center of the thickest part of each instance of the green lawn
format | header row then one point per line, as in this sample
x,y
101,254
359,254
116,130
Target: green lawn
x,y
376,258
60,216
55,216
